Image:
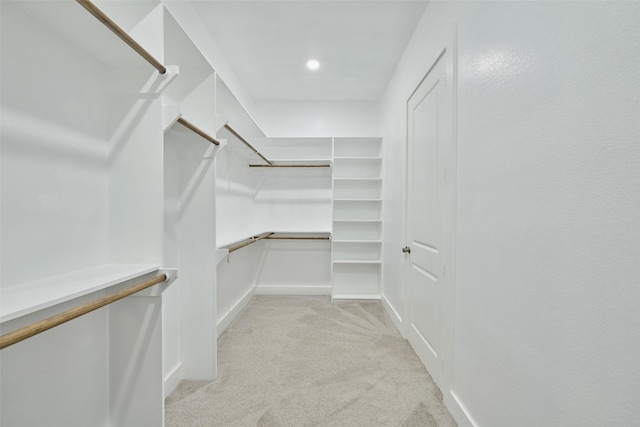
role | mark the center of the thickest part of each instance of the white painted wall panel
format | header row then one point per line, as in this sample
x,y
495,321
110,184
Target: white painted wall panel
x,y
548,230
292,199
54,154
296,267
64,371
236,281
292,119
234,194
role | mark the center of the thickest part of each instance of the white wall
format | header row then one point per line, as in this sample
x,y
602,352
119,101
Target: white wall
x,y
548,302
293,119
51,134
236,279
234,193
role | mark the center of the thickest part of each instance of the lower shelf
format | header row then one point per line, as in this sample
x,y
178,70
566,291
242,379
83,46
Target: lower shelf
x,y
356,280
24,299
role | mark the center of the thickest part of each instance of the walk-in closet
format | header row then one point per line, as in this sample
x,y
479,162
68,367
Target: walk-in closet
x,y
455,182
126,158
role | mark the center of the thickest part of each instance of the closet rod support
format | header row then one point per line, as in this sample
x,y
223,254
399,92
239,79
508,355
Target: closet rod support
x,y
199,131
44,325
118,31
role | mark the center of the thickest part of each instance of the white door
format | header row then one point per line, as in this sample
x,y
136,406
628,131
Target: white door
x,y
430,214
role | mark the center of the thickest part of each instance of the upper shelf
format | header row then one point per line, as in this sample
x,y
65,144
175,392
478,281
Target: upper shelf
x,y
302,163
21,300
276,235
317,150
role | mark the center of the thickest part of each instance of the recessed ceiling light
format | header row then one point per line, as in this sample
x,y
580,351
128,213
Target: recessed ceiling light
x,y
313,64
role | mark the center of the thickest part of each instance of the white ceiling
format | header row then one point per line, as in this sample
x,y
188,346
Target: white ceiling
x,y
267,44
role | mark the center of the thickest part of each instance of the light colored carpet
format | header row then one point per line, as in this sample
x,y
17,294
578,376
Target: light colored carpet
x,y
305,361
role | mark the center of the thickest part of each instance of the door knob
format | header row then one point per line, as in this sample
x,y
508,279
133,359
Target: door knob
x,y
406,250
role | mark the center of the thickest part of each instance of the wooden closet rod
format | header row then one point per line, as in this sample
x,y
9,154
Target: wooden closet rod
x,y
43,325
249,241
290,166
118,31
237,135
296,238
199,131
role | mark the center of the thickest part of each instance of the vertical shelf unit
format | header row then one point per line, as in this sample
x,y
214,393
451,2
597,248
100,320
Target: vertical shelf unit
x,y
189,308
357,218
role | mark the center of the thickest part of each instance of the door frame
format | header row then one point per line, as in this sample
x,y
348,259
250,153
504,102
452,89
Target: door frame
x,y
447,51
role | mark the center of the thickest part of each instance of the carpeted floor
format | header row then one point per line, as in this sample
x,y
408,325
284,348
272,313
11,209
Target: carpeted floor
x,y
304,361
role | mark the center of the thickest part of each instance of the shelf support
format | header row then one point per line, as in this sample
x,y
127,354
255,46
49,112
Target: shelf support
x,y
36,328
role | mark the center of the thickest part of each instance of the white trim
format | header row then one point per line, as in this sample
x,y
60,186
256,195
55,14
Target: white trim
x,y
172,380
233,313
458,410
293,290
371,297
394,315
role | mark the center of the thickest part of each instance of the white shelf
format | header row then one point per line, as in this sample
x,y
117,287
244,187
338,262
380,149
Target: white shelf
x,y
357,200
372,297
359,231
21,300
358,220
279,235
357,241
357,251
356,261
361,147
357,213
314,163
357,179
356,210
356,279
357,168
363,159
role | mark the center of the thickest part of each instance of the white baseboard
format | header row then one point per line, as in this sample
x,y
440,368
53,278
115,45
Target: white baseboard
x,y
293,290
457,410
394,315
371,297
235,310
172,380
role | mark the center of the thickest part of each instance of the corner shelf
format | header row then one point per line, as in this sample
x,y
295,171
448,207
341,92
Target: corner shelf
x,y
357,218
